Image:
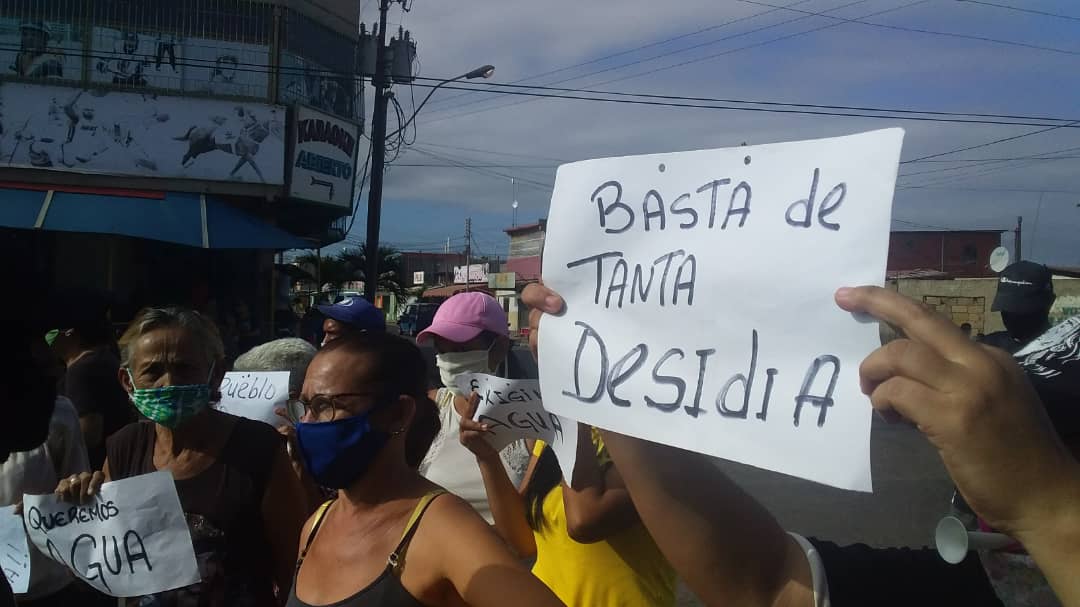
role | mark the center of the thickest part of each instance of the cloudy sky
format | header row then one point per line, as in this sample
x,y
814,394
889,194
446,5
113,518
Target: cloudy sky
x,y
740,50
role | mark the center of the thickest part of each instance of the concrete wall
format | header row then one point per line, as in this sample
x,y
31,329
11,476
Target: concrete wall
x,y
969,300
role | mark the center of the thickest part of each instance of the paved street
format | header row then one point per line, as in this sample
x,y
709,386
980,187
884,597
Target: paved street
x,y
911,493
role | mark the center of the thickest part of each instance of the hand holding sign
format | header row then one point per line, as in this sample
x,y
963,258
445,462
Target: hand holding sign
x,y
129,540
507,410
699,299
14,552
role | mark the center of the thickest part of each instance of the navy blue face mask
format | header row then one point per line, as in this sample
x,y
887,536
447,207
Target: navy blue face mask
x,y
339,453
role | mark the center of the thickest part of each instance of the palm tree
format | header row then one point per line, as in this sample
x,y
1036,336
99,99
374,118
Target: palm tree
x,y
391,279
330,270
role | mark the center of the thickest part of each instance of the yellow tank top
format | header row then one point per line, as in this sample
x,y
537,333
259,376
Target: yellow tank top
x,y
626,570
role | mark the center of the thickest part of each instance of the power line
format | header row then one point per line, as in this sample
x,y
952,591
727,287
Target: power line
x,y
680,51
485,172
767,103
799,108
632,50
923,31
1038,156
1022,10
493,152
693,105
720,54
990,143
1005,159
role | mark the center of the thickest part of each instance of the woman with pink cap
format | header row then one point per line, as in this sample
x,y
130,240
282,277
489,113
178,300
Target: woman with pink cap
x,y
471,335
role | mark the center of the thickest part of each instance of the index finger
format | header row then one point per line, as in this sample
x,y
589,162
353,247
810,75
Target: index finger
x,y
907,315
474,404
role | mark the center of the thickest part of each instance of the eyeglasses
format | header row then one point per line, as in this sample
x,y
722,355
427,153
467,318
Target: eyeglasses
x,y
323,407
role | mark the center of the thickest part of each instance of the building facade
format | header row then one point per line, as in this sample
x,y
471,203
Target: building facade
x,y
951,254
162,151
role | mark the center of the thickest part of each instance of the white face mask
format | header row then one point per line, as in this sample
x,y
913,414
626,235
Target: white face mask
x,y
453,364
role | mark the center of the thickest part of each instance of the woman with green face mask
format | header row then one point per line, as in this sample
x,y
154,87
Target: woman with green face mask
x,y
243,504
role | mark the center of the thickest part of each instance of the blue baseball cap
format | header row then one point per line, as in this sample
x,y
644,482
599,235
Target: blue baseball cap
x,y
356,312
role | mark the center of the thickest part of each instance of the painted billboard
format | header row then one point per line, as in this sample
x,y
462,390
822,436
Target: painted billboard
x,y
140,134
322,167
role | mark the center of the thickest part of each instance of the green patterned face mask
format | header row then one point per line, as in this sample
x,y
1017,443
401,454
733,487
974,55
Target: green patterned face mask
x,y
171,406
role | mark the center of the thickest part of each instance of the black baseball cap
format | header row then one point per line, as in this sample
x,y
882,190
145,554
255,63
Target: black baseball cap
x,y
1024,287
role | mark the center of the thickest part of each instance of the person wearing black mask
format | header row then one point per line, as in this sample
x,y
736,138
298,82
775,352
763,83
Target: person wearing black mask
x,y
1025,294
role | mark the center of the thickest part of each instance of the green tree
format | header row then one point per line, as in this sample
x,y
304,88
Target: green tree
x,y
391,278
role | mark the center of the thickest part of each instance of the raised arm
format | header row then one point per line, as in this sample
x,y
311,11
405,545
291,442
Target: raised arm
x,y
724,544
975,405
507,504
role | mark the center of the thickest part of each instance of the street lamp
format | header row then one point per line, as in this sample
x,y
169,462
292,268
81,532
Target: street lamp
x,y
484,71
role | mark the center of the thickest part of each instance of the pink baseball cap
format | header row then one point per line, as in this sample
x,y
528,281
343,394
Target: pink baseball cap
x,y
466,315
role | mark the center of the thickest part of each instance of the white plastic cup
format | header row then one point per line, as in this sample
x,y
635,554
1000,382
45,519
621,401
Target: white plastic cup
x,y
954,541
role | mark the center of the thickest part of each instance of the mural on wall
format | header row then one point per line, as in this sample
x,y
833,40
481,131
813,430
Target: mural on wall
x,y
40,49
309,83
162,60
142,134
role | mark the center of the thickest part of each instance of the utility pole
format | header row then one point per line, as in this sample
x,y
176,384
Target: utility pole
x,y
378,157
1019,225
468,251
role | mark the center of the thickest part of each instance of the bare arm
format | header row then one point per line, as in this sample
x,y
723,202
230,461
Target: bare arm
x,y
705,524
284,508
597,503
492,576
507,504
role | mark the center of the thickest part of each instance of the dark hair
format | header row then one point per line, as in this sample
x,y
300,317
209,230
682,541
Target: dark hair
x,y
401,369
546,476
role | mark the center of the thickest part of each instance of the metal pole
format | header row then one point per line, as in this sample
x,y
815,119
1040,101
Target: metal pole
x,y
468,251
378,159
1019,225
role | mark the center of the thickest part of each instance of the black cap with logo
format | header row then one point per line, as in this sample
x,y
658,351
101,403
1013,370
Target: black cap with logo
x,y
1025,287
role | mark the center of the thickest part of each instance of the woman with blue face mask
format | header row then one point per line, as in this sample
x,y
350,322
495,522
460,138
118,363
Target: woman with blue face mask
x,y
243,504
390,538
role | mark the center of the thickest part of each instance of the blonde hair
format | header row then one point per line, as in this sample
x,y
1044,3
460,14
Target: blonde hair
x,y
150,319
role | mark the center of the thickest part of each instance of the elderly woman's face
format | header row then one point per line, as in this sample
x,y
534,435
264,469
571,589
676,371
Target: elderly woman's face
x,y
169,357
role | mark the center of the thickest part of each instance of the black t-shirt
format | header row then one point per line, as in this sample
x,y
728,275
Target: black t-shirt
x,y
93,386
1052,363
859,576
1003,340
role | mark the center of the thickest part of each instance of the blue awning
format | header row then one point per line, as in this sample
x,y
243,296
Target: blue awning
x,y
189,219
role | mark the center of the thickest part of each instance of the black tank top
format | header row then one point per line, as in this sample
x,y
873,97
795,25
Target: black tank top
x,y
386,590
223,508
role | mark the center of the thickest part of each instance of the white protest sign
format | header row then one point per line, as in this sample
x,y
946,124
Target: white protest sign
x,y
14,551
699,290
255,395
130,539
513,410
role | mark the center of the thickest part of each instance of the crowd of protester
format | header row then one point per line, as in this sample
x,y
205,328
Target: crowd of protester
x,y
379,489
